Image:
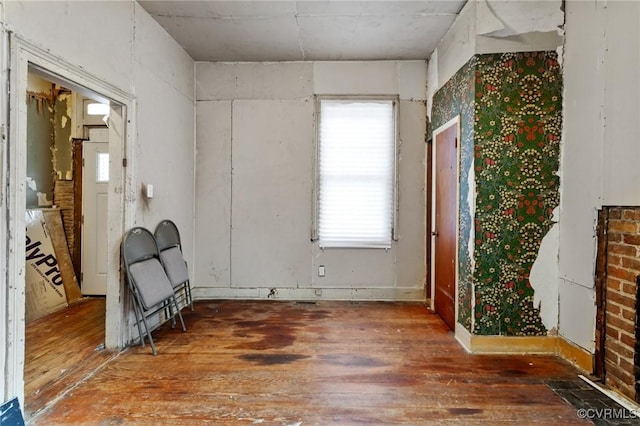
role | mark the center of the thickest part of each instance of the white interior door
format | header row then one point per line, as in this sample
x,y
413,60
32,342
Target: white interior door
x,y
95,185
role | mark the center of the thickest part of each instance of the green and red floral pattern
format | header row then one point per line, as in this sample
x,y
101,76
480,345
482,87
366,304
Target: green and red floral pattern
x,y
516,130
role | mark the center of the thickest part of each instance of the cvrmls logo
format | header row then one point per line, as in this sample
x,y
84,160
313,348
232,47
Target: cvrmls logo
x,y
33,252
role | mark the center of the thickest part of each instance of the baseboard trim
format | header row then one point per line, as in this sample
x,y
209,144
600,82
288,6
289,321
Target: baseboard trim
x,y
514,344
463,336
576,355
522,345
395,294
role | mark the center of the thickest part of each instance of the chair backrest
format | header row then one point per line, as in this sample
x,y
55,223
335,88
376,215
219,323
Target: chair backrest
x,y
167,235
168,239
138,244
144,270
174,265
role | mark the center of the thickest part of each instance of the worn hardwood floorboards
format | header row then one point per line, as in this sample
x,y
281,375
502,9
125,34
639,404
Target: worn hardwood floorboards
x,y
60,349
331,363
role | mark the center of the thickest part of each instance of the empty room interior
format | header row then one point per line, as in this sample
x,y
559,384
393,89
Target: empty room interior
x,y
390,212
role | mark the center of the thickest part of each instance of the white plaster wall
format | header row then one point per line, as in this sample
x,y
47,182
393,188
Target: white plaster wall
x,y
212,265
527,42
432,79
120,44
621,153
600,145
97,35
163,80
516,26
7,354
253,80
331,78
456,47
521,17
412,195
271,193
577,314
496,26
581,169
258,193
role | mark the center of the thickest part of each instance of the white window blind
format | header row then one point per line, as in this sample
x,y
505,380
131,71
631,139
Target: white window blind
x,y
356,157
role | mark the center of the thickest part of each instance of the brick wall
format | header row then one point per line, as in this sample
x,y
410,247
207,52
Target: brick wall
x,y
623,266
63,197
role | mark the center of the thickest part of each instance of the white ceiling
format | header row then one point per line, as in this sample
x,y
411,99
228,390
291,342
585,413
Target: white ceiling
x,y
305,30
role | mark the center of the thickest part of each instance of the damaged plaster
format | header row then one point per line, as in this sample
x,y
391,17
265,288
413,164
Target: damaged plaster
x,y
49,147
39,149
506,18
488,26
508,26
544,276
62,132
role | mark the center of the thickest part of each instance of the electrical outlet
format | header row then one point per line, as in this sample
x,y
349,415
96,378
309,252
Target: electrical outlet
x,y
321,271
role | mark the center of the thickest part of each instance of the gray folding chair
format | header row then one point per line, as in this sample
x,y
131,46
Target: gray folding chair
x,y
151,290
168,240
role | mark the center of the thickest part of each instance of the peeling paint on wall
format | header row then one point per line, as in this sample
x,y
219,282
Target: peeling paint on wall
x,y
62,131
39,145
497,26
544,276
507,18
471,202
49,145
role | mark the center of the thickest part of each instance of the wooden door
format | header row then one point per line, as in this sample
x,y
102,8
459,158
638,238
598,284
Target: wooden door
x,y
429,201
95,185
445,192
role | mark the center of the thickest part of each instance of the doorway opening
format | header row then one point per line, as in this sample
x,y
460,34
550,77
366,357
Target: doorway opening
x,y
28,59
66,244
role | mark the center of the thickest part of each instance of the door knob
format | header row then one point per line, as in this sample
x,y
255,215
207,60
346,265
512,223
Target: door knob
x,y
434,233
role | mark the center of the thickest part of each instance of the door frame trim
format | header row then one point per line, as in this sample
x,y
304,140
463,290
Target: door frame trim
x,y
23,56
455,121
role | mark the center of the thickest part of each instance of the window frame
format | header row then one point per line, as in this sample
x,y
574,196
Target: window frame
x,y
315,210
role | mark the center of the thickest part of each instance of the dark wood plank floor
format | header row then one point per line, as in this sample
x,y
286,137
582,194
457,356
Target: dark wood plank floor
x,y
331,363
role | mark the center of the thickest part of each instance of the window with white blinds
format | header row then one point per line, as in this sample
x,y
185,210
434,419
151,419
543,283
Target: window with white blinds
x,y
356,159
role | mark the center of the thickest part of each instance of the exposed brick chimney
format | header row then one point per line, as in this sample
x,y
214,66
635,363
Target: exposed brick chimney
x,y
622,359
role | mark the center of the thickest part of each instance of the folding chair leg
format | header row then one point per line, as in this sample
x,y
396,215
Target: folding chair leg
x,y
146,326
170,313
135,311
187,290
137,306
175,303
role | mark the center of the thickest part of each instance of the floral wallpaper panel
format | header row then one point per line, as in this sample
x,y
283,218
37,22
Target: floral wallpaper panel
x,y
517,128
511,114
